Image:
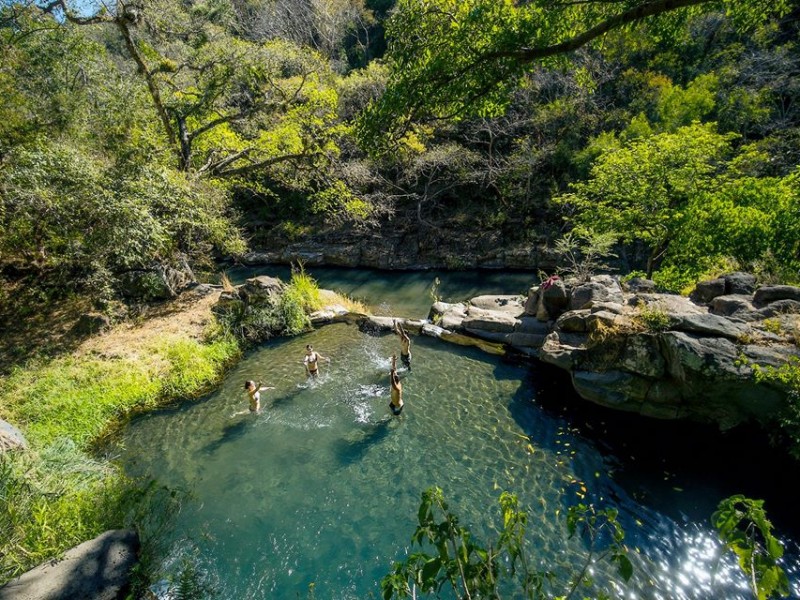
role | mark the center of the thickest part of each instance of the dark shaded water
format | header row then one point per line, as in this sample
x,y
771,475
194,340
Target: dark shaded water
x,y
322,487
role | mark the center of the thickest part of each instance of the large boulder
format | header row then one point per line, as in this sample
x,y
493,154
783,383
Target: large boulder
x,y
709,324
449,316
732,305
479,319
602,288
552,299
508,304
640,285
261,291
11,438
772,293
739,283
705,291
98,570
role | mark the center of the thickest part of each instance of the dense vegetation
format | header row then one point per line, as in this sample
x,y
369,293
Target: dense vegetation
x,y
148,134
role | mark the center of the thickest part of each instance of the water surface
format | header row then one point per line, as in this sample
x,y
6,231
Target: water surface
x,y
403,293
323,485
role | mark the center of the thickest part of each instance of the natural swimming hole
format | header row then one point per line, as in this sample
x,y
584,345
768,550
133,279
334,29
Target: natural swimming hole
x,y
323,486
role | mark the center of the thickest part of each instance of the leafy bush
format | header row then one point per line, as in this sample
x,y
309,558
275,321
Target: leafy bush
x,y
653,318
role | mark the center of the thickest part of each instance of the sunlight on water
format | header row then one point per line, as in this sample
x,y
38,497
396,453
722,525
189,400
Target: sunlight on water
x,y
323,485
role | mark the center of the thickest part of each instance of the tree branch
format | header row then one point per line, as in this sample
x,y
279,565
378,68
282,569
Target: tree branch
x,y
648,9
263,164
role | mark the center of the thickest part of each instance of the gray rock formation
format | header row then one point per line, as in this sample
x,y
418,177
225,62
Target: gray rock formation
x,y
11,438
158,282
660,355
95,570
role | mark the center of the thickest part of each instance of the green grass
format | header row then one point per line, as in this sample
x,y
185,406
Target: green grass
x,y
305,290
55,495
79,398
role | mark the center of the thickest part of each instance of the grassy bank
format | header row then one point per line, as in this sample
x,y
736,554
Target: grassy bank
x,y
56,494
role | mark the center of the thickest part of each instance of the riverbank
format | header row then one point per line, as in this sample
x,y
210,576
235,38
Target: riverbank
x,y
57,492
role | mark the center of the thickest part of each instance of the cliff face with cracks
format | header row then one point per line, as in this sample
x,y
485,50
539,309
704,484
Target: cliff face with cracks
x,y
659,355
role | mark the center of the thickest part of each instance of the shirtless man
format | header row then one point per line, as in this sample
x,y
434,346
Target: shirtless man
x,y
254,392
396,404
311,361
405,345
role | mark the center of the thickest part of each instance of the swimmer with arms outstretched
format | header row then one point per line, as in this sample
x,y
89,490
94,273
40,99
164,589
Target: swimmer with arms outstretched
x,y
405,345
396,403
254,394
311,361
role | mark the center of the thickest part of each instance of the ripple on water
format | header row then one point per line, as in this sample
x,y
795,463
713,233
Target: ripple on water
x,y
323,486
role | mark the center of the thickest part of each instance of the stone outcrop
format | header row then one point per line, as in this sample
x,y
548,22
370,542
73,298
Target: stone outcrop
x,y
392,250
98,569
157,282
659,355
626,347
11,438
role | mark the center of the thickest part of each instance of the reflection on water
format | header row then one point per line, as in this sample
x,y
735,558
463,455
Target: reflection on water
x,y
323,485
403,293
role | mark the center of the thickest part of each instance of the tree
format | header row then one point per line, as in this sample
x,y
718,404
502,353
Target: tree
x,y
451,58
227,107
449,556
744,529
641,191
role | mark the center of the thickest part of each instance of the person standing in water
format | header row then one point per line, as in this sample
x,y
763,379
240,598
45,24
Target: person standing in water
x,y
396,403
405,345
311,361
254,393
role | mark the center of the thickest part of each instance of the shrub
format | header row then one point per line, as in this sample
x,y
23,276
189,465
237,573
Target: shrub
x,y
653,319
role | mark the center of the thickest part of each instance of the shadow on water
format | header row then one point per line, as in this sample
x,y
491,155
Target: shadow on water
x,y
229,433
679,468
352,449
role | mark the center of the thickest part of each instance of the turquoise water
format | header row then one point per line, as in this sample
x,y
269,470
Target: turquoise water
x,y
403,293
323,485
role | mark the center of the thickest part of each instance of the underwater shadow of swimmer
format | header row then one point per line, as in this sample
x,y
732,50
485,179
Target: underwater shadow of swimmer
x,y
279,400
229,433
349,451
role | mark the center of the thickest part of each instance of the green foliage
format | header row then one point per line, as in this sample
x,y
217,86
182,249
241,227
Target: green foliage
x,y
452,58
641,190
691,204
305,288
54,500
450,558
80,398
787,376
653,319
744,529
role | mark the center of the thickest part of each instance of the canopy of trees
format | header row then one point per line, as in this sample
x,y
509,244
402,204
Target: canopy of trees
x,y
140,132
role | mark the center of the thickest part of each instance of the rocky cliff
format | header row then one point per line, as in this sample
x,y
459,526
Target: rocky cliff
x,y
659,355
